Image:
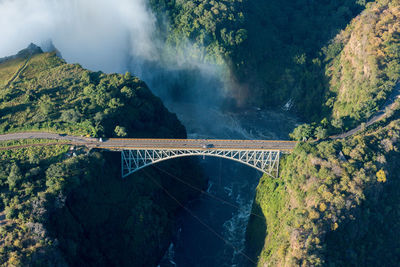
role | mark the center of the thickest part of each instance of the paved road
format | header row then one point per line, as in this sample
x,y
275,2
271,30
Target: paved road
x,y
44,135
119,144
389,104
181,144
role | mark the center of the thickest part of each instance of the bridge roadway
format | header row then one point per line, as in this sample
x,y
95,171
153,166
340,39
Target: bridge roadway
x,y
183,144
118,144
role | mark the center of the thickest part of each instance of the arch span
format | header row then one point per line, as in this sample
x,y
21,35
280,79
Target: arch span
x,y
266,161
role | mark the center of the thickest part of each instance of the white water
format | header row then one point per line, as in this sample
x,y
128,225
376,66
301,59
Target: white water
x,y
231,181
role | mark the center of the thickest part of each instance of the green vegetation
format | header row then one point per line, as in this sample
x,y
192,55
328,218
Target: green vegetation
x,y
9,69
281,50
364,63
273,50
277,50
63,205
214,27
330,193
57,97
12,143
336,202
372,235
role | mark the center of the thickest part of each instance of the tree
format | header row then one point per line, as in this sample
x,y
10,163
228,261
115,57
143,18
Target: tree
x,y
89,90
320,132
120,131
127,76
69,115
45,105
337,123
55,177
86,77
381,176
324,122
302,132
98,117
14,177
127,91
115,103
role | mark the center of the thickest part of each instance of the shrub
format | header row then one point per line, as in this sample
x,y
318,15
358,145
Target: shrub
x,y
381,176
69,115
120,131
14,177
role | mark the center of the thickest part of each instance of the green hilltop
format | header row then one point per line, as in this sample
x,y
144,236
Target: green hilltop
x,y
58,97
63,205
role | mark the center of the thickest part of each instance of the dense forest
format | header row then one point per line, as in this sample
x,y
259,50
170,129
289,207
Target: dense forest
x,y
336,201
335,62
364,63
63,205
274,51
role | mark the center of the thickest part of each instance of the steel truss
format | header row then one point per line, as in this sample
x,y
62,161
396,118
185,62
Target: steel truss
x,y
266,161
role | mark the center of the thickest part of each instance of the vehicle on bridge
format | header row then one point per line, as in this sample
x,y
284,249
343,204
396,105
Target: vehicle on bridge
x,y
208,146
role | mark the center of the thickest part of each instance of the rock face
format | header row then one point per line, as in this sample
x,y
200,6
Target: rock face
x,y
32,49
77,210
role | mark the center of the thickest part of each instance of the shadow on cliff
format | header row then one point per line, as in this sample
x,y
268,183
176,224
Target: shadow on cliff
x,y
372,239
110,221
256,233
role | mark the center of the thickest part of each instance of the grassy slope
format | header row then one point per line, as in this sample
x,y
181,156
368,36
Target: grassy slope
x,y
9,69
76,210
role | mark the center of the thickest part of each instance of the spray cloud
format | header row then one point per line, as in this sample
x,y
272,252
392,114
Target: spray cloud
x,y
113,36
99,34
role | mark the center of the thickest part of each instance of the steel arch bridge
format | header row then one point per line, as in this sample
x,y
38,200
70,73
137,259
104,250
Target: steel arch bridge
x,y
266,161
138,153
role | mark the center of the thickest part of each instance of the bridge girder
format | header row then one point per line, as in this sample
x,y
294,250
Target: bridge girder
x,y
266,161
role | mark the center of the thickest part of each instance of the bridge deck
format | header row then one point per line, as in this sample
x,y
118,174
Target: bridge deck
x,y
136,154
158,144
186,144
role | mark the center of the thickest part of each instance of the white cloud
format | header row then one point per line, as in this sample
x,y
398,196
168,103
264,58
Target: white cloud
x,y
99,34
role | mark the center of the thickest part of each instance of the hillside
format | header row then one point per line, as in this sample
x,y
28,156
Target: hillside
x,y
68,206
364,63
323,199
336,202
271,50
279,51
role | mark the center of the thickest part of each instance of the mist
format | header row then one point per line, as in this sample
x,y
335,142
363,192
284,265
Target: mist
x,y
114,36
98,34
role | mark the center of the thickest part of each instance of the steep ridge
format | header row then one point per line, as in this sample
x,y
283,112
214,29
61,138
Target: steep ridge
x,y
331,194
66,205
364,63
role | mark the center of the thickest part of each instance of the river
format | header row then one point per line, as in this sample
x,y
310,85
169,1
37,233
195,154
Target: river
x,y
195,244
216,237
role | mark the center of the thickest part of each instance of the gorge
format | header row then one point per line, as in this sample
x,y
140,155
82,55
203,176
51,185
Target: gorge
x,y
304,70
